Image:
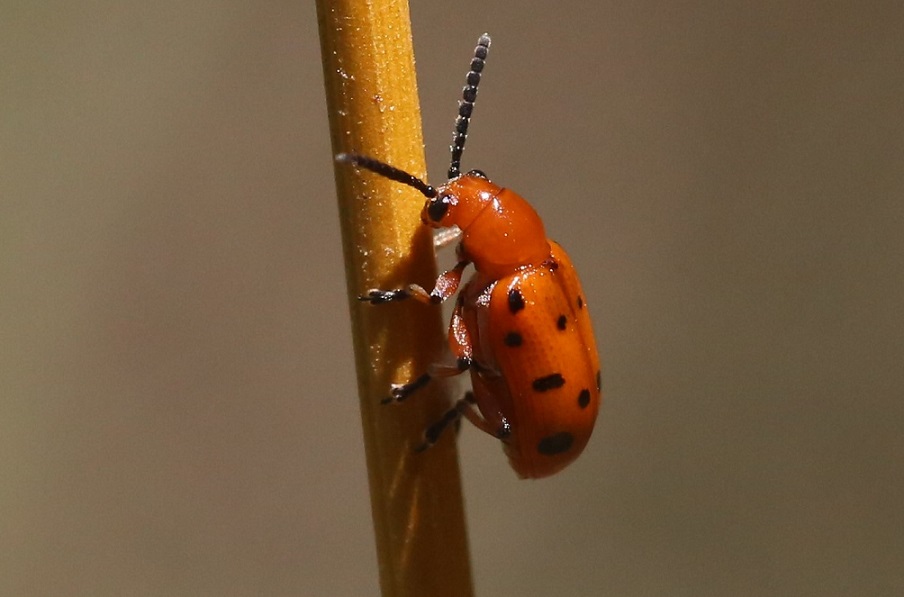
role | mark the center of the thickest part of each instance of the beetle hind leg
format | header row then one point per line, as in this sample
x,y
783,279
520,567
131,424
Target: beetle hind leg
x,y
450,417
463,408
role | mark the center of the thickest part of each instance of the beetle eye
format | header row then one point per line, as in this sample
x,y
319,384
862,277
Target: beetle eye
x,y
478,174
438,206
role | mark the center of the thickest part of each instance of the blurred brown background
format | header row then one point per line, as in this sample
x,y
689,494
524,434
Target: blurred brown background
x,y
178,407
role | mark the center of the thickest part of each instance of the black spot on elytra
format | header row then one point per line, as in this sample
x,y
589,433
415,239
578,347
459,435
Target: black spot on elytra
x,y
584,398
562,322
515,300
599,380
513,339
548,382
555,443
580,302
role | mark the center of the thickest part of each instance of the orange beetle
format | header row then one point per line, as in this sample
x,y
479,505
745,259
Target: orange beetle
x,y
520,324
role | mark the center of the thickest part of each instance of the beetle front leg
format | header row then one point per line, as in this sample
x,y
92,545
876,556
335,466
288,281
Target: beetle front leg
x,y
446,285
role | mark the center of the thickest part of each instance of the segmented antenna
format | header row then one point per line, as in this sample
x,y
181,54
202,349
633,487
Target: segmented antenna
x,y
466,105
390,172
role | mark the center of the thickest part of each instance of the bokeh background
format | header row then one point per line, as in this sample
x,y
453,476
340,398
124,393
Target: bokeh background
x,y
177,403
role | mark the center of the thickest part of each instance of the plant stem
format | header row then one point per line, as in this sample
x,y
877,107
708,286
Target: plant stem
x,y
416,499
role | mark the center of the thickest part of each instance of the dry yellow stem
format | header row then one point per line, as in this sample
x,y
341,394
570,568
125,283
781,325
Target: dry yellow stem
x,y
373,109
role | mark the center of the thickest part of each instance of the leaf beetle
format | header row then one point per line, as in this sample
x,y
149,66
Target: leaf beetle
x,y
520,325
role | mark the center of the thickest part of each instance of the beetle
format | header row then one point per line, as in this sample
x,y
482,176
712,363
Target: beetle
x,y
520,325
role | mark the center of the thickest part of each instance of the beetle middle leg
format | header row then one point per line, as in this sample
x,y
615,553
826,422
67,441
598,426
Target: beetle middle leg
x,y
400,391
460,343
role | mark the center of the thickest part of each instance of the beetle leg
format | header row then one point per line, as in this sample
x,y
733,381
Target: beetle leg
x,y
446,236
459,343
400,391
463,408
470,413
446,285
434,431
459,337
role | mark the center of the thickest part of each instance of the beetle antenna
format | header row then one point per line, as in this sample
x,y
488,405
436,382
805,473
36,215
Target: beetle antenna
x,y
387,171
466,105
